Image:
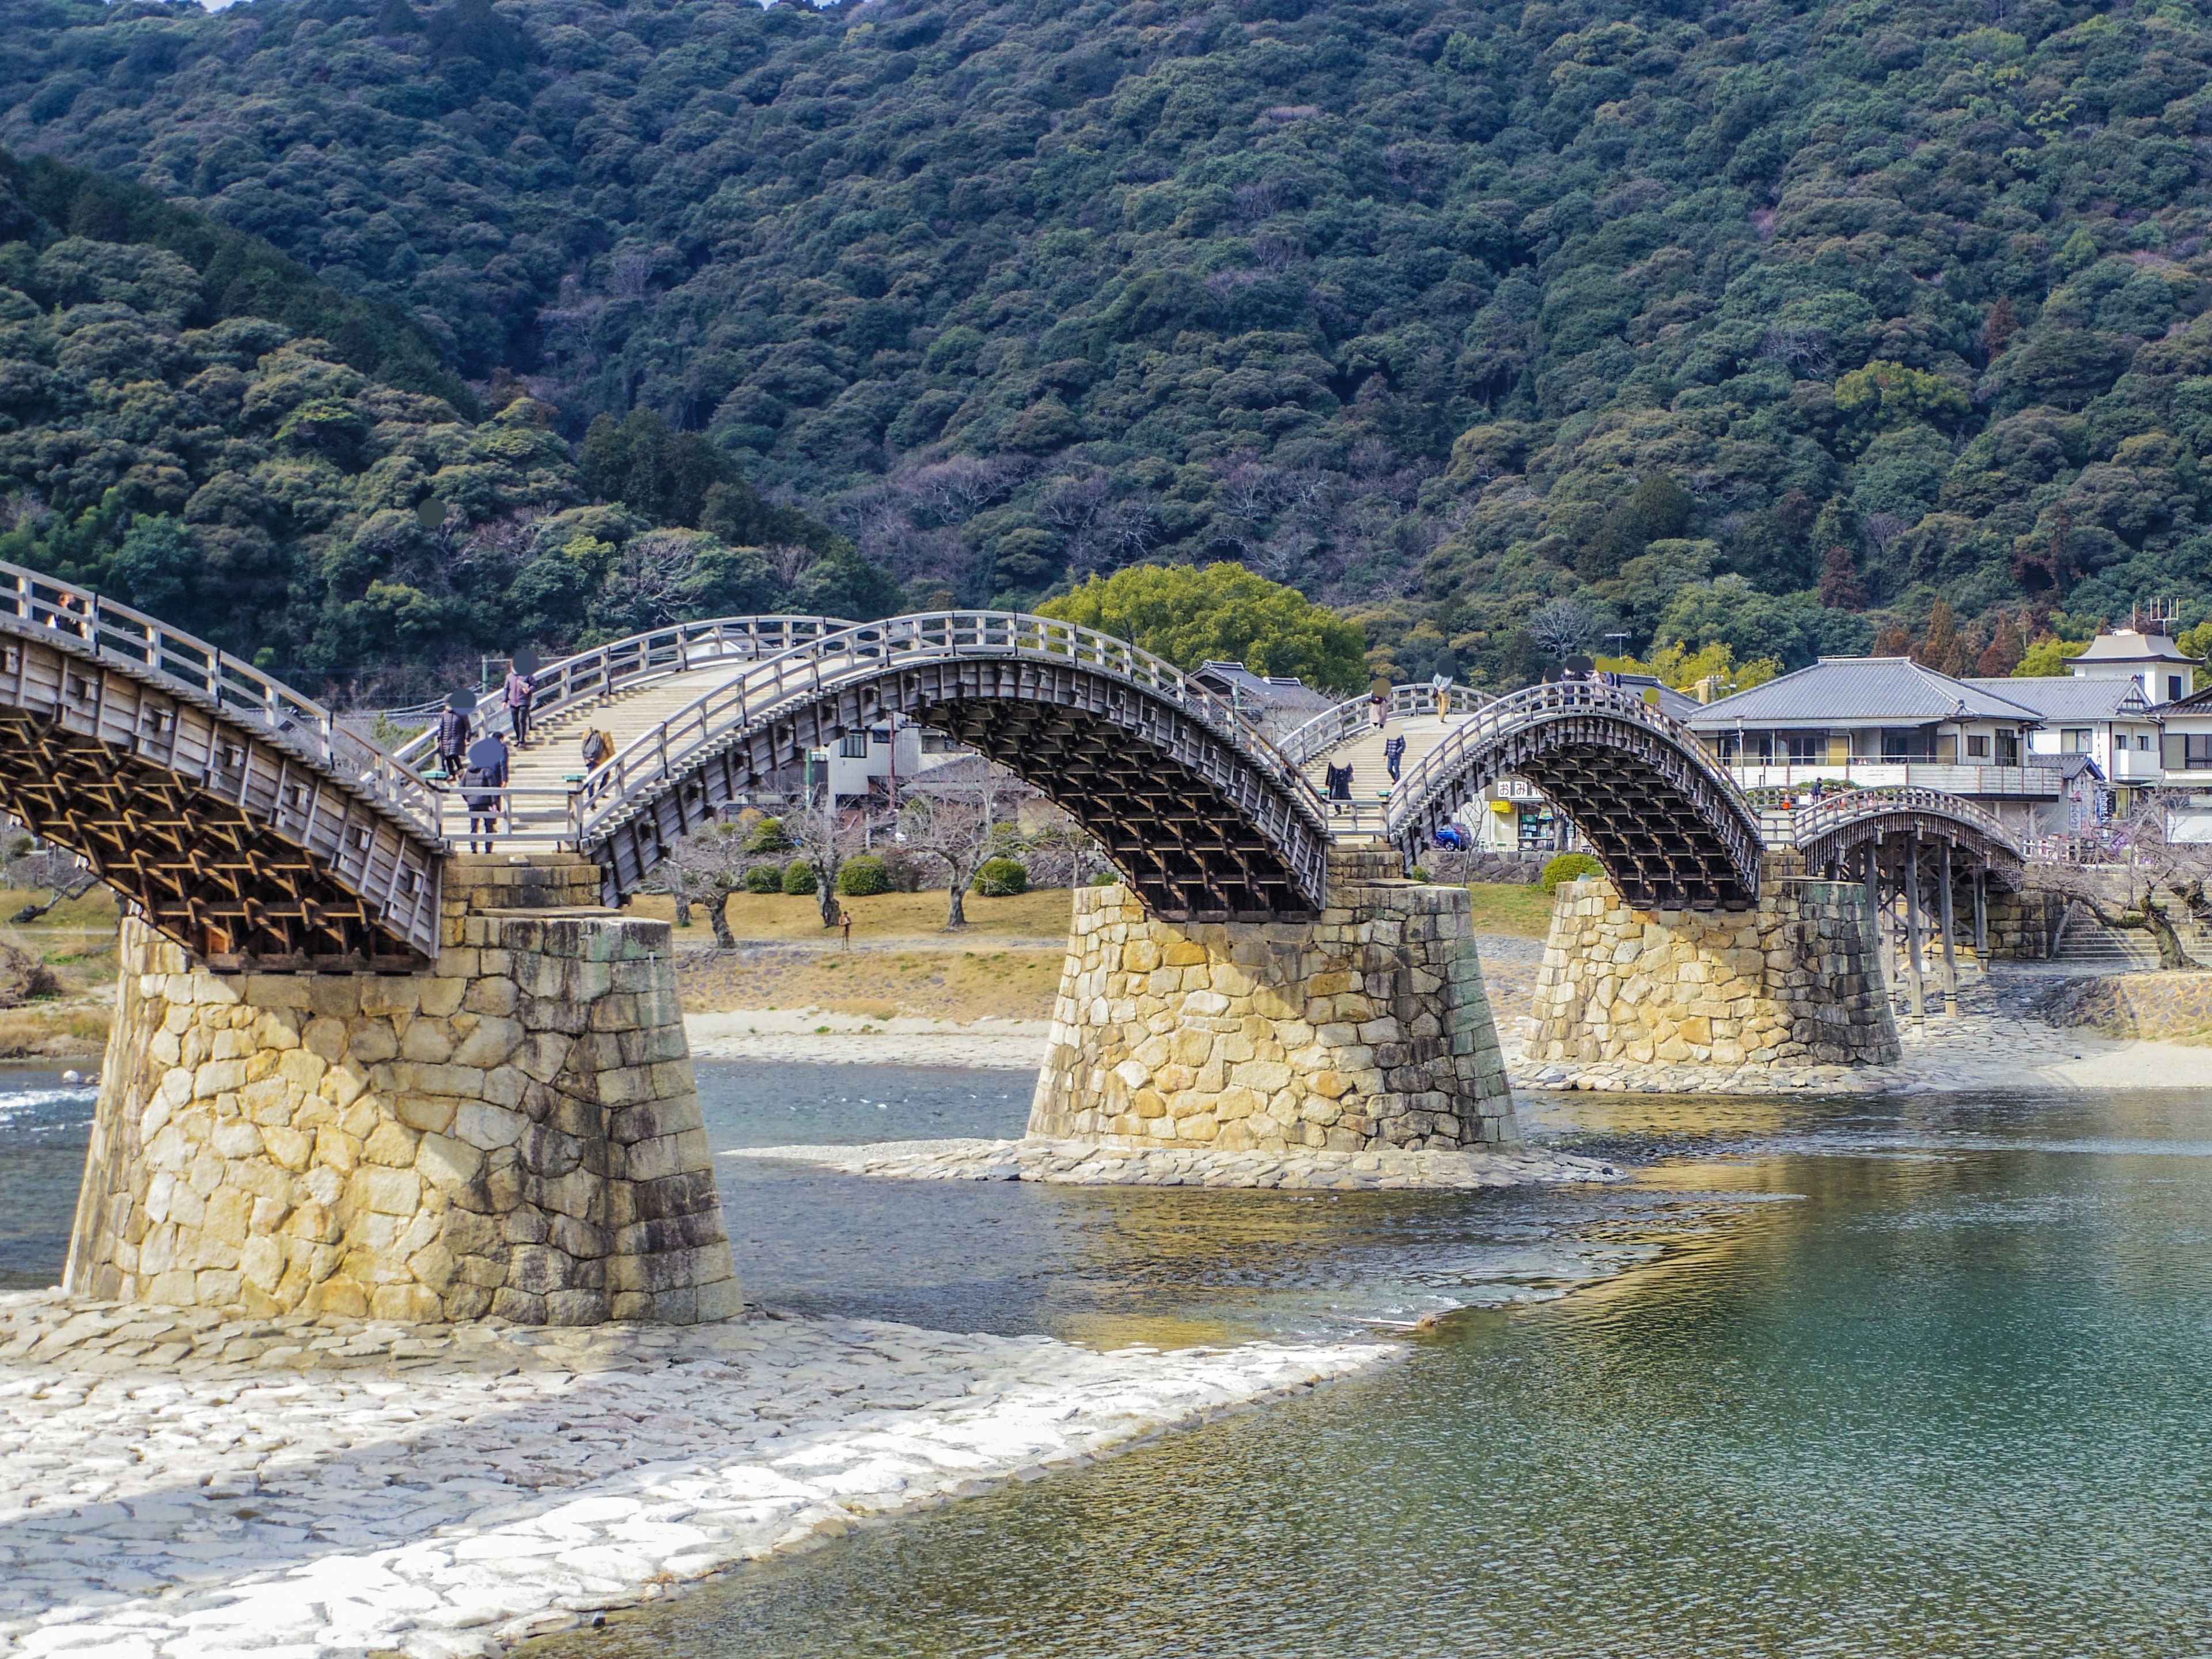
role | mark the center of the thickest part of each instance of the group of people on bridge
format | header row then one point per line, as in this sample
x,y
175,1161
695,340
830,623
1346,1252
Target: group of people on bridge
x,y
478,765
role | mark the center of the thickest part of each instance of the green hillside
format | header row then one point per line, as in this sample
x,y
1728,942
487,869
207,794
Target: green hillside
x,y
1758,323
195,424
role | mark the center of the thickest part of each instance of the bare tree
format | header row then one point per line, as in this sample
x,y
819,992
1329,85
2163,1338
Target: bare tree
x,y
954,825
2152,882
825,835
712,865
31,866
1561,629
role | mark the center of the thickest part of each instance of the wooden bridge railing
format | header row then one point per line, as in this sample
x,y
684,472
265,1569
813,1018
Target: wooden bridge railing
x,y
818,666
618,665
192,668
1810,823
1334,727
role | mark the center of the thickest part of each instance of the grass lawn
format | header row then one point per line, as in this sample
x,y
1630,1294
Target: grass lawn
x,y
1509,907
933,981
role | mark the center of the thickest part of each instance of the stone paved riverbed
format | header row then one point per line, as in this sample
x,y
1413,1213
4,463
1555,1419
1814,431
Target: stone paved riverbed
x,y
175,1485
1082,1163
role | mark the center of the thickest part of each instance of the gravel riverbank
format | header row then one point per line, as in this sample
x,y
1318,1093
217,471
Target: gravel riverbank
x,y
1079,1164
176,1487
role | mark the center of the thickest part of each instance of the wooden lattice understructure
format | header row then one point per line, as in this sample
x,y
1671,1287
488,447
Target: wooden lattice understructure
x,y
231,837
1833,835
1670,829
1199,827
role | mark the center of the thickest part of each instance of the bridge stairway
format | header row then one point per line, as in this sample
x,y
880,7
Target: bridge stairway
x,y
1371,773
2091,945
544,771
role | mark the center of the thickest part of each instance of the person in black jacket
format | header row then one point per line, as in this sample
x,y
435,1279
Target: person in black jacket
x,y
1394,755
453,733
481,785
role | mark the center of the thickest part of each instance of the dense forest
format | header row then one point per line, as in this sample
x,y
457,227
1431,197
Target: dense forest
x,y
197,426
1783,326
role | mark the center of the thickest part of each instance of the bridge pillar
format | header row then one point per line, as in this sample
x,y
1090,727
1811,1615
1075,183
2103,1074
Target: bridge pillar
x,y
514,1131
1367,1030
1794,980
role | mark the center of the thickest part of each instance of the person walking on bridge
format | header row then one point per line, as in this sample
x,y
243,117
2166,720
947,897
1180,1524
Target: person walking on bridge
x,y
483,786
1393,754
517,694
453,733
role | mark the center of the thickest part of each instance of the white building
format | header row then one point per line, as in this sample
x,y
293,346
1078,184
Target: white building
x,y
2161,668
2106,717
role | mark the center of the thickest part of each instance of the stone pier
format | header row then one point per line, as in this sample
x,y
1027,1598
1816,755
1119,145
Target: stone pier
x,y
1369,1030
514,1132
1795,981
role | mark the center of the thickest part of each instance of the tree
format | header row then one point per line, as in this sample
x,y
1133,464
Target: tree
x,y
1942,649
2047,658
1223,612
1840,587
1657,509
2149,882
2005,651
955,825
1561,629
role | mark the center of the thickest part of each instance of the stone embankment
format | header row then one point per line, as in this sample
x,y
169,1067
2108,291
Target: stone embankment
x,y
1079,1164
176,1486
2162,1005
514,1131
1793,983
1366,1031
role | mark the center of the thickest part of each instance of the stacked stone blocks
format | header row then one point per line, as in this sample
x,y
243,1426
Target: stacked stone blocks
x,y
1367,1030
515,1132
1794,980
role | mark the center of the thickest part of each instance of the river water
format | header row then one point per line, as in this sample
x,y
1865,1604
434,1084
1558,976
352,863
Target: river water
x,y
1857,1378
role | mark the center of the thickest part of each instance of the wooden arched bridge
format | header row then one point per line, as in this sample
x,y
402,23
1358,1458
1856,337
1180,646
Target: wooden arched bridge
x,y
253,827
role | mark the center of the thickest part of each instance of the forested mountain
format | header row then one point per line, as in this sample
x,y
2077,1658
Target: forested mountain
x,y
1763,322
197,425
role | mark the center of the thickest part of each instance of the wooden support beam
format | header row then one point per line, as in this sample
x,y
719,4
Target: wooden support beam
x,y
1915,990
1950,957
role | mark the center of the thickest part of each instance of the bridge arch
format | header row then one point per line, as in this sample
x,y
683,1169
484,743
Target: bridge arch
x,y
1201,815
1671,829
1833,833
228,807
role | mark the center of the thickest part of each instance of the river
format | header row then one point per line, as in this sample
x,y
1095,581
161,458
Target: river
x,y
1925,1378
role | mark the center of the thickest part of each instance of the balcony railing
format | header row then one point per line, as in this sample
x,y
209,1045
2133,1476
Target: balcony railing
x,y
2002,782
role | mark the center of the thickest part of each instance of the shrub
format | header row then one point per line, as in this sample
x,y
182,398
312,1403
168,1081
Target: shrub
x,y
769,836
857,878
1570,866
1001,879
799,879
763,878
1419,872
1105,878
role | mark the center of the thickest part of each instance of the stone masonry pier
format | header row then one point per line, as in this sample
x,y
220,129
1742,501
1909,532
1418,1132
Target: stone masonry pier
x,y
514,1132
1794,980
1367,1031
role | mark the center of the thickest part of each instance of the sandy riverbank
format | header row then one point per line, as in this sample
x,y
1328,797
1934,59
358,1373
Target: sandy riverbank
x,y
823,1038
173,1486
1972,1053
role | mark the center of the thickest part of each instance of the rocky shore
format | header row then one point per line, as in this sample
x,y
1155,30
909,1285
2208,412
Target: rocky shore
x,y
178,1486
1082,1163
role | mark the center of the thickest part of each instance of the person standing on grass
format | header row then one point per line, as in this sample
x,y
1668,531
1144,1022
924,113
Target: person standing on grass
x,y
453,733
516,694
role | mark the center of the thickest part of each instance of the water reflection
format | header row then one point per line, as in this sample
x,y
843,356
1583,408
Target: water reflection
x,y
1848,1378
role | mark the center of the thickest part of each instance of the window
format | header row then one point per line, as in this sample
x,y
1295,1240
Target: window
x,y
2075,740
2008,747
854,745
2173,687
2197,752
1977,745
2143,743
1805,748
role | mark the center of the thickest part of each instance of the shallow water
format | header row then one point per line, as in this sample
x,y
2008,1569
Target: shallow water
x,y
1928,1378
1858,1378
